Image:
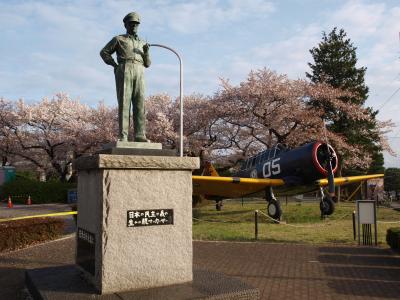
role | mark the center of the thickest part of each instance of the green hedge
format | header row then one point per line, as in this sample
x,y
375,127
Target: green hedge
x,y
21,233
40,192
393,238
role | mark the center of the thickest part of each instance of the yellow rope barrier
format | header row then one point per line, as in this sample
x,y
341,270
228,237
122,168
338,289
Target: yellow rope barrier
x,y
40,216
303,226
392,222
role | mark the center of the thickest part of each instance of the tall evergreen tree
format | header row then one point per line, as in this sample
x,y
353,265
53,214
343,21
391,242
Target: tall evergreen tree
x,y
377,163
392,181
334,63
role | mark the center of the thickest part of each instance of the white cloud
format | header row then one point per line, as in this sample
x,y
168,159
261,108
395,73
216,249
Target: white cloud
x,y
359,17
200,16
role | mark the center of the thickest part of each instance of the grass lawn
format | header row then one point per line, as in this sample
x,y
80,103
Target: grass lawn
x,y
303,223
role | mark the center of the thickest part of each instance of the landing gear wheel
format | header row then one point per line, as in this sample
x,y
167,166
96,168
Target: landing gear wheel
x,y
274,209
327,206
218,205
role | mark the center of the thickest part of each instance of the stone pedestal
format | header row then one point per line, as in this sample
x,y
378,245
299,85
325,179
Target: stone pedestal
x,y
135,221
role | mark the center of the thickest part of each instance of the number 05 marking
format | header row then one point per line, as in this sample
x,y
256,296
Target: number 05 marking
x,y
271,167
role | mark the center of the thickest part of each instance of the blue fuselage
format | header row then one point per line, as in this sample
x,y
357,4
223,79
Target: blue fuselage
x,y
300,166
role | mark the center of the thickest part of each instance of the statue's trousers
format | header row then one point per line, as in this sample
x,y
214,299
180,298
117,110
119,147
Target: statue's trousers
x,y
129,78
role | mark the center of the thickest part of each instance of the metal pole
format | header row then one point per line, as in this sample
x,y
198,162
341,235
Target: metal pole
x,y
363,233
180,94
256,225
358,223
354,225
375,227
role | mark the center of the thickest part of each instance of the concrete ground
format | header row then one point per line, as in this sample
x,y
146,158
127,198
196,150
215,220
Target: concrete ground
x,y
280,271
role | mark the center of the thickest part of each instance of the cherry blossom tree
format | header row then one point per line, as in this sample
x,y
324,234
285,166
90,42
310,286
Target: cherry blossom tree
x,y
160,125
270,108
199,123
7,121
51,133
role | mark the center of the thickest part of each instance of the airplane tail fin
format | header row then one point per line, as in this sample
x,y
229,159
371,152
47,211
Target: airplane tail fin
x,y
209,170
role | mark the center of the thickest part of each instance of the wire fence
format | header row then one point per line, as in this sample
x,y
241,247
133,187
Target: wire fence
x,y
303,226
256,224
276,221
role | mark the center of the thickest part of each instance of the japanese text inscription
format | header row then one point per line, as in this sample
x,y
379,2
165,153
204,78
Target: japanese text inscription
x,y
150,217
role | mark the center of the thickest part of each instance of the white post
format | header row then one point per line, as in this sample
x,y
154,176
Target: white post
x,y
180,94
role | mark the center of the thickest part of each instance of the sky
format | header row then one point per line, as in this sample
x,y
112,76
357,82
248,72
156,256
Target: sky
x,y
48,47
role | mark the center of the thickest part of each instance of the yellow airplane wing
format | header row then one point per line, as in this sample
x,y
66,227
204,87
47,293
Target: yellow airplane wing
x,y
347,180
230,187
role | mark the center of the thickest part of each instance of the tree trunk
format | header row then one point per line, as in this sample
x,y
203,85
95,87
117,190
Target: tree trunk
x,y
339,172
4,160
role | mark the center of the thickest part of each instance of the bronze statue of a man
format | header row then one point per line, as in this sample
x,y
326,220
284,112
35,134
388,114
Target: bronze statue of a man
x,y
132,57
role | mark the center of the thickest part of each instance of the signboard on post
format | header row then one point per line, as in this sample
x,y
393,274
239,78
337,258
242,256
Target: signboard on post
x,y
366,217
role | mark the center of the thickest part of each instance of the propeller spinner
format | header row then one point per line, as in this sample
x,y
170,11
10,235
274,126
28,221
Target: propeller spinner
x,y
326,162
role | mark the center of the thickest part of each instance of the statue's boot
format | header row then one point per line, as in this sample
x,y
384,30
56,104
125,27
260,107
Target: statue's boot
x,y
142,139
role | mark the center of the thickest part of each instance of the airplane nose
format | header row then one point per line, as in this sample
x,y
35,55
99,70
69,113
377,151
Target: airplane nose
x,y
322,158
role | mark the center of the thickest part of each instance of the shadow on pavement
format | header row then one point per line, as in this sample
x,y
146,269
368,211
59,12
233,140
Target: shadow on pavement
x,y
358,271
381,273
69,280
11,282
362,260
354,250
366,288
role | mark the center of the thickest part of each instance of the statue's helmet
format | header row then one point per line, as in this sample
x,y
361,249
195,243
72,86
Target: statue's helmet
x,y
132,17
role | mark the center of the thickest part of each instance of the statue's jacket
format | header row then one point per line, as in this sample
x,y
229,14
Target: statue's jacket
x,y
129,48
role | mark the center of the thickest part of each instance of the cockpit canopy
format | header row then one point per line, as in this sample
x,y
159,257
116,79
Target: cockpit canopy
x,y
265,155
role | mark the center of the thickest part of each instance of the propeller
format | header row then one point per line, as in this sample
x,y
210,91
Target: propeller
x,y
331,177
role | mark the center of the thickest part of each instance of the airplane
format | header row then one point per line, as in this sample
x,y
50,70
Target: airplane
x,y
310,166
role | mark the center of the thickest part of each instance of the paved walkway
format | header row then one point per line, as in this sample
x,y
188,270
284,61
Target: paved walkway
x,y
20,210
284,271
280,271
